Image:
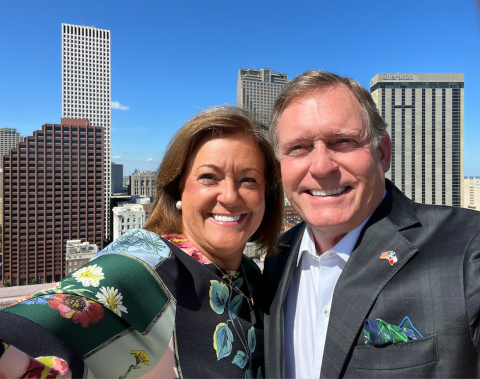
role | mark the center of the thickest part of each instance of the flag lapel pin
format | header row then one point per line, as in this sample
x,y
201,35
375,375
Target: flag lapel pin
x,y
390,256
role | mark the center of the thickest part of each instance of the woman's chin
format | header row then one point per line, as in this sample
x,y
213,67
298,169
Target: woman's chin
x,y
226,247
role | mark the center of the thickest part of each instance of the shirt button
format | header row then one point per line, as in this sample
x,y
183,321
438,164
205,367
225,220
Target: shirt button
x,y
325,312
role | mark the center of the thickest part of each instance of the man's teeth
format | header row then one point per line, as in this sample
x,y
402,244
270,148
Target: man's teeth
x,y
226,218
327,192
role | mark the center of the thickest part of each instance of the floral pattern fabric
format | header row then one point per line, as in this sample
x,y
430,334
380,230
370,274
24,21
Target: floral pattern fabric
x,y
128,299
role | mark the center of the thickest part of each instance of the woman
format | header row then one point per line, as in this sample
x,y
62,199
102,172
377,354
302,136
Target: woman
x,y
177,298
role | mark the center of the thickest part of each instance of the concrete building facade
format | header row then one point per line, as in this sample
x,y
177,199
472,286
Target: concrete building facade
x,y
78,254
471,192
127,217
142,183
86,87
9,138
52,193
257,91
424,113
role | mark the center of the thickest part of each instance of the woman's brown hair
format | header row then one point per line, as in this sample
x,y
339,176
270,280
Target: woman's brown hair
x,y
224,120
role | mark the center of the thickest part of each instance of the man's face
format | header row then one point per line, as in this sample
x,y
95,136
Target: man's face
x,y
331,172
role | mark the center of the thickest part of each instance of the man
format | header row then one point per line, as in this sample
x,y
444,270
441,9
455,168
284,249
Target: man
x,y
364,252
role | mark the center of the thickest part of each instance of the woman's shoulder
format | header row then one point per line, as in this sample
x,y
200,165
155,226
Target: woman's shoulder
x,y
251,267
139,244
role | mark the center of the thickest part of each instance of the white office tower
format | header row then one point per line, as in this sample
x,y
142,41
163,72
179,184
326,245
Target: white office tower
x,y
86,83
257,91
424,113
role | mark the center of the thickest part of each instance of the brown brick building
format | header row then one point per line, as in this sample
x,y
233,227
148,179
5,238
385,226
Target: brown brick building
x,y
52,192
290,214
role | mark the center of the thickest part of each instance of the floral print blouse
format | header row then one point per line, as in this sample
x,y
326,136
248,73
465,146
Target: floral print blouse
x,y
142,308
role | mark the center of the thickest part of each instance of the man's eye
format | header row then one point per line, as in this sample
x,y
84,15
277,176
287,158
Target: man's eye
x,y
297,147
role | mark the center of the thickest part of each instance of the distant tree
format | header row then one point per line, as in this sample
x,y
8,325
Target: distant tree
x,y
34,281
6,284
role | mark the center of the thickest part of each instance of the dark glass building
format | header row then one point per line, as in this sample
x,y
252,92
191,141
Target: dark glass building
x,y
117,178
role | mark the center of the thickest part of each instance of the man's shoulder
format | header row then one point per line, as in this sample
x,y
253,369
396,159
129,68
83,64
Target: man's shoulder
x,y
457,218
402,211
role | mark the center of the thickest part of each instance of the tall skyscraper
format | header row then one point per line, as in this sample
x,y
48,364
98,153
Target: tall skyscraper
x,y
424,113
52,192
257,91
86,84
9,138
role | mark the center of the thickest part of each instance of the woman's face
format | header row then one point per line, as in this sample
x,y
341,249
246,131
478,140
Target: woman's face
x,y
223,198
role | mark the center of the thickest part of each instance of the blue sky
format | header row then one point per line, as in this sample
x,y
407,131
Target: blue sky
x,y
173,59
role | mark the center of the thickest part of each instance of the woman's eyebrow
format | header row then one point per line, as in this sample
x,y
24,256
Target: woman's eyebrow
x,y
212,166
250,169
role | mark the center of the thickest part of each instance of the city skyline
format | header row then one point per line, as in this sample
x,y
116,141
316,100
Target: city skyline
x,y
170,61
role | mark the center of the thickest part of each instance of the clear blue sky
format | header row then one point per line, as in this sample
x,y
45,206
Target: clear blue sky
x,y
173,59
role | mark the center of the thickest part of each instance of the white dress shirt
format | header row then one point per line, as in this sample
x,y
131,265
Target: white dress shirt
x,y
308,302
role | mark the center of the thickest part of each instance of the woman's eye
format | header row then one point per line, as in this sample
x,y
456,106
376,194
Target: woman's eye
x,y
206,177
248,179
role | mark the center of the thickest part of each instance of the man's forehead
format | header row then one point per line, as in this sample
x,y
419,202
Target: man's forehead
x,y
335,107
317,93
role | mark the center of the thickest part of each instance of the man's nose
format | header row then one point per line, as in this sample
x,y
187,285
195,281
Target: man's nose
x,y
323,161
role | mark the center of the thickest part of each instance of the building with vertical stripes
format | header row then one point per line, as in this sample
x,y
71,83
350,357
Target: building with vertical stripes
x,y
424,113
86,86
53,186
257,91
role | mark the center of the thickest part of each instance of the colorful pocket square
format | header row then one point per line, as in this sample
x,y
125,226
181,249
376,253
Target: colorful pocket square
x,y
379,333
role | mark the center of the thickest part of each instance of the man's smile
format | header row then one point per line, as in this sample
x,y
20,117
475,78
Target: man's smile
x,y
329,192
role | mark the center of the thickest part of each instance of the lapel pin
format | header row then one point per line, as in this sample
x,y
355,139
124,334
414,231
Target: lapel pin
x,y
390,256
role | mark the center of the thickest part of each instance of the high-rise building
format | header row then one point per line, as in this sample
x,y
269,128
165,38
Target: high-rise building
x,y
86,84
52,193
257,91
424,113
117,178
9,138
471,192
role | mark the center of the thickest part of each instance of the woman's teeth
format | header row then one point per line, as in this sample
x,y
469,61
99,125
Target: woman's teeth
x,y
327,192
226,218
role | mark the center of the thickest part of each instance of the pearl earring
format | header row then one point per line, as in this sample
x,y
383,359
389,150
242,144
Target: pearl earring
x,y
178,205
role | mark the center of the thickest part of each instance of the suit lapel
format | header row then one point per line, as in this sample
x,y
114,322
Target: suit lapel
x,y
275,363
364,276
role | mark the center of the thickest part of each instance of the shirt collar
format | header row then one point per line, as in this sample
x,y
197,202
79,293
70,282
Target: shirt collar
x,y
343,248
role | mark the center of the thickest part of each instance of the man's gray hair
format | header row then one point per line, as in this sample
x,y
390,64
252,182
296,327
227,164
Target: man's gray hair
x,y
315,80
